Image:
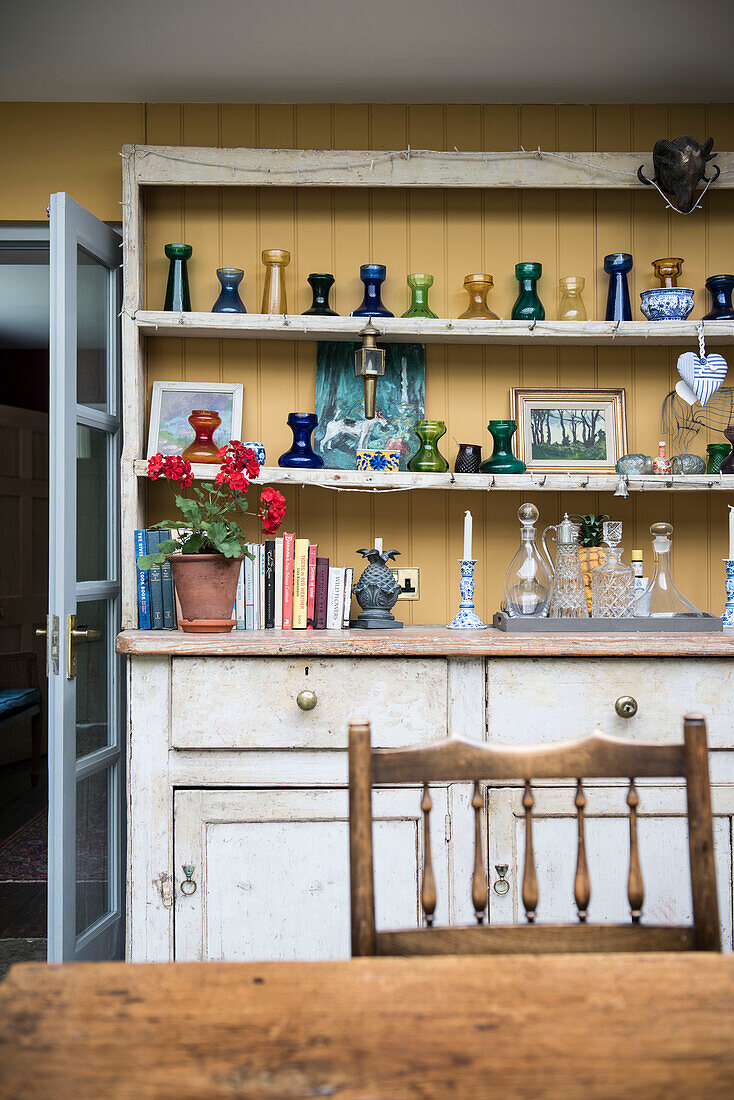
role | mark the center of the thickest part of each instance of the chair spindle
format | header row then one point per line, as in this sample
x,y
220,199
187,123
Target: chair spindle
x,y
479,888
428,886
529,878
582,883
635,886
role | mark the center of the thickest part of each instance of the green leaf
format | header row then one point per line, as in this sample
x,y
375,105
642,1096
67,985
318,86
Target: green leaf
x,y
170,546
193,543
145,561
190,510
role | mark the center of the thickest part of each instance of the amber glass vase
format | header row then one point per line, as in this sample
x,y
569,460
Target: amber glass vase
x,y
478,287
572,306
204,422
276,261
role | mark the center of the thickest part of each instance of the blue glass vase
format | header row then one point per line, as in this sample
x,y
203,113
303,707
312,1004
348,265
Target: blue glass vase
x,y
619,307
301,454
229,300
373,276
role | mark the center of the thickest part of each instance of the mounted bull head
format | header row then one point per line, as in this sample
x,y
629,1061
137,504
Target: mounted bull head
x,y
679,167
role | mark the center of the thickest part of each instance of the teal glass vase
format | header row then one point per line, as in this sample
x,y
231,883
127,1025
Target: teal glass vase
x,y
178,298
419,287
428,459
320,283
528,306
502,460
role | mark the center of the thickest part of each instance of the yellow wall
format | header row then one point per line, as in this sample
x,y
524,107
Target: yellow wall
x,y
75,147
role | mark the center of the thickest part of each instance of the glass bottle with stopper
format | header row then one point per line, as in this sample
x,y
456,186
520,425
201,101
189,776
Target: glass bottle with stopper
x,y
568,599
613,583
528,580
662,600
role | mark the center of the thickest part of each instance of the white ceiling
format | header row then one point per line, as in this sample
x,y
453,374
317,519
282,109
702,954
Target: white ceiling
x,y
407,51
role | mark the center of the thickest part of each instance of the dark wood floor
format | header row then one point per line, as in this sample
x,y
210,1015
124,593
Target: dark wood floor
x,y
22,904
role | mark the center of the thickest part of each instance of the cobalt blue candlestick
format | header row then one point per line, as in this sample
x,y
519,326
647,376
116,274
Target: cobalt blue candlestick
x,y
301,454
373,276
720,288
229,300
619,307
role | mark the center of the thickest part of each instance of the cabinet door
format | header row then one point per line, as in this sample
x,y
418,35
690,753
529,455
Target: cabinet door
x,y
663,839
271,869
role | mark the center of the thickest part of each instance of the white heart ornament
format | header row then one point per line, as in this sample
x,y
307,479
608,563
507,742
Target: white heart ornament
x,y
702,377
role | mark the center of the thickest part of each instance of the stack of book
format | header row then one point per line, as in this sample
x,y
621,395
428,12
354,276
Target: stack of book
x,y
156,600
287,586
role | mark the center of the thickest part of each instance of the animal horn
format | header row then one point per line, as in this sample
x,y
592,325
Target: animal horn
x,y
716,169
642,177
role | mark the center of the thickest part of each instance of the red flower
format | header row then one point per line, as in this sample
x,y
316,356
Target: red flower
x,y
172,467
272,510
155,466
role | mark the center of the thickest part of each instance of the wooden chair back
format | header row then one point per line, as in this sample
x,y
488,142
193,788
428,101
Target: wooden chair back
x,y
597,756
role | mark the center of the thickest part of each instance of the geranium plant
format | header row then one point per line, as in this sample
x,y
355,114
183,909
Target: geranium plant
x,y
209,518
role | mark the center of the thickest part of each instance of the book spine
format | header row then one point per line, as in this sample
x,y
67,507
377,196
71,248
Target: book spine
x,y
156,584
169,605
141,547
322,593
279,584
239,603
311,594
288,557
300,584
335,599
261,570
255,587
348,581
249,591
269,584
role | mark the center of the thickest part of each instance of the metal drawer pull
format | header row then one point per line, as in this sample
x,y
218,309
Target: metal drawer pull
x,y
306,700
501,886
188,886
626,706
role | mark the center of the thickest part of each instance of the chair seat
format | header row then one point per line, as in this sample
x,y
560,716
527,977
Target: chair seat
x,y
15,700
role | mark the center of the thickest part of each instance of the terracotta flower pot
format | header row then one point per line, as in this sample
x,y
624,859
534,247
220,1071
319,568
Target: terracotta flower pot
x,y
206,585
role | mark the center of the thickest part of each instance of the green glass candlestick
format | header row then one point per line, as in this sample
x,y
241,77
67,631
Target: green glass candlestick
x,y
428,459
320,283
178,299
419,287
502,460
528,306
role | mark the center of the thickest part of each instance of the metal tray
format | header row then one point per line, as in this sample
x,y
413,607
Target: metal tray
x,y
709,624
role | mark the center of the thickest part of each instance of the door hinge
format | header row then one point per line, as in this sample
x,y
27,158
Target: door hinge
x,y
447,827
166,891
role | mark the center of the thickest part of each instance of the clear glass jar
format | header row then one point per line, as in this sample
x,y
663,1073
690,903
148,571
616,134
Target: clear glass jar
x,y
661,599
528,580
613,583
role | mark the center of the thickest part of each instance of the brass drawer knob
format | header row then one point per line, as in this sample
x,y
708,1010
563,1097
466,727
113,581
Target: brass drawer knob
x,y
306,700
626,706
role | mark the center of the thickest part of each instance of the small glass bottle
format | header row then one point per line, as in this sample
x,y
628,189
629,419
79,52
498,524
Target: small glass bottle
x,y
715,455
229,300
572,306
276,261
419,287
662,600
638,569
528,580
428,459
478,287
178,298
661,464
613,583
321,284
528,306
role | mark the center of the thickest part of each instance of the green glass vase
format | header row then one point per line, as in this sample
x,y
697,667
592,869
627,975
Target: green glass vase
x,y
419,287
528,306
502,460
178,299
428,459
715,455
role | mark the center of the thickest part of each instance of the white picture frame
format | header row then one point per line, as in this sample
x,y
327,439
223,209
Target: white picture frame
x,y
169,432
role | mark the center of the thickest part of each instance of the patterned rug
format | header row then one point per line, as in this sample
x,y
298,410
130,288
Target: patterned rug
x,y
23,854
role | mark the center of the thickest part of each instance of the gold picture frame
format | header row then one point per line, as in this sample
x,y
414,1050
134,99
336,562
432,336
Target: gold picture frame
x,y
587,434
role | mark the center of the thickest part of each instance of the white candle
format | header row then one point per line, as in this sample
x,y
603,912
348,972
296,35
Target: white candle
x,y
378,545
731,530
467,536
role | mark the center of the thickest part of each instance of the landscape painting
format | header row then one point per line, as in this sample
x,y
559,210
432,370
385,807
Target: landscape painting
x,y
401,400
572,435
566,430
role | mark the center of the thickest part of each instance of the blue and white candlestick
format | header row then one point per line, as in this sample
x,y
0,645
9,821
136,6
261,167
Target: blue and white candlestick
x,y
467,618
728,616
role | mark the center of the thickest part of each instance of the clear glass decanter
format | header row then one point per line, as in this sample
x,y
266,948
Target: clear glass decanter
x,y
568,598
661,599
613,583
528,580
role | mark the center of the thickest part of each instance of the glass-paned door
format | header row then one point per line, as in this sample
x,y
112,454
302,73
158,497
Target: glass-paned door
x,y
86,763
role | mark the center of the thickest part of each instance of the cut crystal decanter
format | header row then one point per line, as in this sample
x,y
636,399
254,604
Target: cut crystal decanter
x,y
568,599
661,599
528,581
613,583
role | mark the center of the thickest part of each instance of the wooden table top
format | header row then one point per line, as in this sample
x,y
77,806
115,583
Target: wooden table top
x,y
544,1026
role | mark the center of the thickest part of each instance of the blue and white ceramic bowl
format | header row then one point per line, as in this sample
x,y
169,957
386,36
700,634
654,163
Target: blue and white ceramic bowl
x,y
258,449
666,303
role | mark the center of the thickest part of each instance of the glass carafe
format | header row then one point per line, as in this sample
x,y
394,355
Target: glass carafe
x,y
613,583
661,599
572,306
419,287
478,287
568,599
528,580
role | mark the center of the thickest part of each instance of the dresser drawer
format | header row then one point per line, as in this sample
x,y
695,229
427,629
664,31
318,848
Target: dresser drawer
x,y
250,703
549,699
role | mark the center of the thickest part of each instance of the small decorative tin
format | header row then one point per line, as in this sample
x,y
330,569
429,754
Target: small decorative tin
x,y
378,458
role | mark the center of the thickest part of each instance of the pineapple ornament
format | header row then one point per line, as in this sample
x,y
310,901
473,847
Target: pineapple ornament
x,y
377,592
591,551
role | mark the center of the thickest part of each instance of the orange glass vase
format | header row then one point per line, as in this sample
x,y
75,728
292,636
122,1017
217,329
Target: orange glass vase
x,y
204,422
276,260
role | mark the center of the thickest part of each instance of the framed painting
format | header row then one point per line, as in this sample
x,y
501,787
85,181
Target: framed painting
x,y
172,404
570,430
